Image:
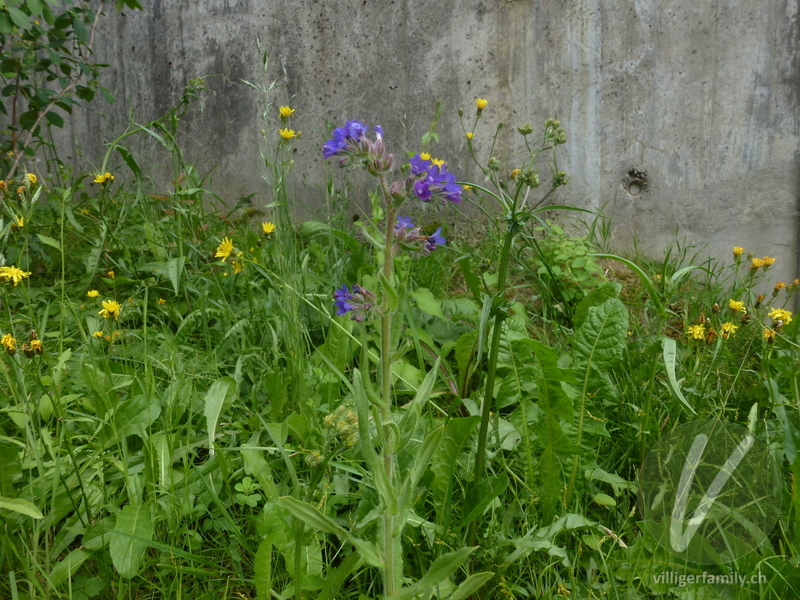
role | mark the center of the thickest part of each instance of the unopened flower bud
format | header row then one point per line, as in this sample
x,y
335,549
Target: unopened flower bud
x,y
494,164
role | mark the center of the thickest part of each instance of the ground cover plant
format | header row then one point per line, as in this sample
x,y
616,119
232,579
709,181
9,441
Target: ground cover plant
x,y
201,401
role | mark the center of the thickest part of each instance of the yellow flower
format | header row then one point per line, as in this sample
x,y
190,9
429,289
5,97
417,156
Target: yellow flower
x,y
438,162
93,293
768,261
85,211
287,134
424,156
2,184
19,222
728,329
35,348
697,332
9,343
514,173
481,103
13,274
32,178
782,315
286,112
769,335
757,263
104,178
237,267
778,287
225,249
470,135
161,301
268,227
737,251
736,306
466,187
97,334
110,310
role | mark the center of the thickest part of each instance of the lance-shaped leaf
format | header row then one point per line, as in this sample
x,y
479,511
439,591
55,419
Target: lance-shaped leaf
x,y
440,569
313,517
219,395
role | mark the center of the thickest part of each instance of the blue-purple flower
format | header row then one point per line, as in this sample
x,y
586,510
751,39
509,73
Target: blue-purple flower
x,y
351,144
409,236
433,180
359,302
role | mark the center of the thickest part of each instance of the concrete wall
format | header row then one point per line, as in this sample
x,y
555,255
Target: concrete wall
x,y
702,97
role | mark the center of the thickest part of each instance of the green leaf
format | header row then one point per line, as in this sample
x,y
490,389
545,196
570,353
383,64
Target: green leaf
x,y
470,585
445,460
600,340
442,568
130,538
480,496
390,291
427,303
219,395
49,241
134,416
21,506
669,353
19,18
262,567
55,119
604,500
174,268
313,517
67,567
594,298
12,466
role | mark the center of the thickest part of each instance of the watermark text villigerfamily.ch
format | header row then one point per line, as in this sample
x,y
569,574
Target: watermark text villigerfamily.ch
x,y
732,578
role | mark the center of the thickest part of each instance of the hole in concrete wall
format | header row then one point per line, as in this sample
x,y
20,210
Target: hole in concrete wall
x,y
634,183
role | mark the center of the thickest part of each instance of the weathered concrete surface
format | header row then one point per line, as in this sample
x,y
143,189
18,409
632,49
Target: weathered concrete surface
x,y
702,98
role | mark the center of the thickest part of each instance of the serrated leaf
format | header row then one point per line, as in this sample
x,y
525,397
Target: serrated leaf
x,y
219,395
455,435
129,539
21,506
262,567
47,240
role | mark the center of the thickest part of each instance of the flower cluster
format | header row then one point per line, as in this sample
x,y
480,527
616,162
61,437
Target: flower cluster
x,y
13,274
430,180
351,145
344,423
104,178
359,302
409,236
33,347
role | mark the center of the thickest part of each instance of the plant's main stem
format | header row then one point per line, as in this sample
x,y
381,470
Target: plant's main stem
x,y
393,568
486,406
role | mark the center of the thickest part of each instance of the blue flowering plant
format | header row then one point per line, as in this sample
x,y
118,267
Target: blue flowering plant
x,y
386,430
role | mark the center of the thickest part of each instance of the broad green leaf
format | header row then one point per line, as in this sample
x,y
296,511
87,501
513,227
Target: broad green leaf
x,y
480,496
391,293
422,457
134,416
335,578
219,396
604,500
600,340
427,303
130,539
594,298
669,353
21,506
12,466
258,467
174,267
67,566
